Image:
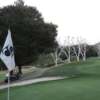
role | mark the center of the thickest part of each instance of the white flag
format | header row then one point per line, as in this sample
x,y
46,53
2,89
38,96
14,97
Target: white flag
x,y
7,53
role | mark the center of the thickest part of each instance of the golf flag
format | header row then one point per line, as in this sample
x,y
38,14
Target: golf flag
x,y
7,53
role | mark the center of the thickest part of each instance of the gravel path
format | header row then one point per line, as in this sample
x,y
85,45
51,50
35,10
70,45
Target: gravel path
x,y
34,74
28,82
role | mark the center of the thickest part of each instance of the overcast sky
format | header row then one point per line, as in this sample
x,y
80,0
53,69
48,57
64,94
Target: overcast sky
x,y
78,18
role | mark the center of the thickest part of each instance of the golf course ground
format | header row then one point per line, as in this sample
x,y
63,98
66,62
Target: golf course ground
x,y
82,83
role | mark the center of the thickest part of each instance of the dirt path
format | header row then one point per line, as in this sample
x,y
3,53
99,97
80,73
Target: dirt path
x,y
34,74
28,82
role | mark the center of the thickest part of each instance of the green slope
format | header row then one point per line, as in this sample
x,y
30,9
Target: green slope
x,y
86,86
91,66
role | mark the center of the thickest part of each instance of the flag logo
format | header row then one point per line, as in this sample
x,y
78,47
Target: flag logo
x,y
8,51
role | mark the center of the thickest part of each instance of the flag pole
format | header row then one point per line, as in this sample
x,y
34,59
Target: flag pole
x,y
7,56
8,96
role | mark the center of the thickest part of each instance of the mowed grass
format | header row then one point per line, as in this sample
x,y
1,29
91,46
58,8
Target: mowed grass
x,y
69,89
2,75
91,66
85,86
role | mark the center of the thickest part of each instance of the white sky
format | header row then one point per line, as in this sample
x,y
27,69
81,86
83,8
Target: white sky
x,y
73,17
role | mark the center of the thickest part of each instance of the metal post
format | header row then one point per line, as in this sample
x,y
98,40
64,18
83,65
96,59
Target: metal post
x,y
8,97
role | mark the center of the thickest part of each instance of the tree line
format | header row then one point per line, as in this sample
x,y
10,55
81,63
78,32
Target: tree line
x,y
32,36
30,33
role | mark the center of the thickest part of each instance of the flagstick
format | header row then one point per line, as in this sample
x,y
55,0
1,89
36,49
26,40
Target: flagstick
x,y
8,98
7,56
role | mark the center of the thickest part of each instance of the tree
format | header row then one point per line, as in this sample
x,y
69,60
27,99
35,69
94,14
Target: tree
x,y
76,48
91,51
31,35
19,3
80,48
68,48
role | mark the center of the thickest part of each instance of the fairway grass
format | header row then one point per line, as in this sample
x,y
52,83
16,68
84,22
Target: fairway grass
x,y
85,86
91,66
2,75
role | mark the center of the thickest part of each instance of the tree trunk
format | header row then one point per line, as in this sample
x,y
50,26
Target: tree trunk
x,y
56,59
84,57
78,59
69,61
